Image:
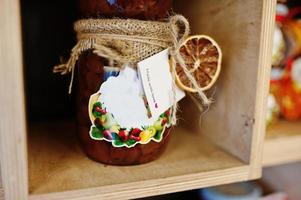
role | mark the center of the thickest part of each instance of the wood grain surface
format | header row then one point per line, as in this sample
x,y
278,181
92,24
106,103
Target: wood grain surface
x,y
13,143
244,31
57,164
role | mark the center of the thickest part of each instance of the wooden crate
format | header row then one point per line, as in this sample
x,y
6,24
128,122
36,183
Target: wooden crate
x,y
283,143
227,147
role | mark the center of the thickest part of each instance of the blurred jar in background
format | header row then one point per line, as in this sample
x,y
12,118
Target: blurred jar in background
x,y
279,42
285,85
288,95
278,62
273,110
292,30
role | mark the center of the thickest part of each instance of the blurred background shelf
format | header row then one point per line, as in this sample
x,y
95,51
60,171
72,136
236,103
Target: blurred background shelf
x,y
283,178
283,136
283,143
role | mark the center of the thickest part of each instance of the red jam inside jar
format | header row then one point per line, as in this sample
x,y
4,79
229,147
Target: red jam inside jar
x,y
137,9
89,77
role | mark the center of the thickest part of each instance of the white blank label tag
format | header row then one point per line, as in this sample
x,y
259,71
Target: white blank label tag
x,y
157,83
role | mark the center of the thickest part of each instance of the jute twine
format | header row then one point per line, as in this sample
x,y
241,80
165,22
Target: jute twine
x,y
128,41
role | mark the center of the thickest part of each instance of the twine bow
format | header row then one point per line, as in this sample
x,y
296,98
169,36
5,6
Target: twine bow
x,y
128,41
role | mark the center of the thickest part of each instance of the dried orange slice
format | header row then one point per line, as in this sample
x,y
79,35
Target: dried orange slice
x,y
203,58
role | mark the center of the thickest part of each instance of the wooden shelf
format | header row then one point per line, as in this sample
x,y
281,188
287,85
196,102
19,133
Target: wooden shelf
x,y
283,143
59,170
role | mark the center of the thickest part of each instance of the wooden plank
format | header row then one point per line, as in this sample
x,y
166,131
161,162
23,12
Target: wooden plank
x,y
150,187
57,165
283,143
236,120
12,110
263,79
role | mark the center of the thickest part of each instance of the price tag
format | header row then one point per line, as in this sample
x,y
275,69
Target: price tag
x,y
156,79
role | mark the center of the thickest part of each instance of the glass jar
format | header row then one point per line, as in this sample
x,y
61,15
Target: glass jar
x,y
90,75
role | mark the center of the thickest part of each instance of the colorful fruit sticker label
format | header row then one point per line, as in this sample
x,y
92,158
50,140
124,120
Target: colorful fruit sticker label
x,y
119,114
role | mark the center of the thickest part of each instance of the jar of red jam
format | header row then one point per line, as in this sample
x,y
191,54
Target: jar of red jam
x,y
91,73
